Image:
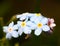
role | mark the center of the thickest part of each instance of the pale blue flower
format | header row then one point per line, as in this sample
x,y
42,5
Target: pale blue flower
x,y
31,16
23,27
41,25
35,17
23,16
11,30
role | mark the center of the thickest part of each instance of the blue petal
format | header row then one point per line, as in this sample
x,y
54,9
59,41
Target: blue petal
x,y
18,23
31,15
11,24
34,19
5,29
27,30
31,25
44,20
45,28
40,18
14,34
25,13
8,36
18,16
20,31
38,32
23,17
15,27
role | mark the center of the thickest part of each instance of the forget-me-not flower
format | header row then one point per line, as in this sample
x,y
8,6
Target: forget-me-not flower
x,y
36,16
24,27
41,25
51,23
10,30
23,16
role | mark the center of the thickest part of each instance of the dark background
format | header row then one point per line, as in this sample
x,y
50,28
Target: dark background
x,y
48,8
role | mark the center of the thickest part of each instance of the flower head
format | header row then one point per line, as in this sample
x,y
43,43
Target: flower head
x,y
23,16
23,26
36,16
51,24
41,25
11,30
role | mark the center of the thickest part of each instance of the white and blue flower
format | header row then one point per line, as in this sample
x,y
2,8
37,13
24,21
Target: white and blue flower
x,y
11,30
35,17
41,25
24,27
23,16
37,22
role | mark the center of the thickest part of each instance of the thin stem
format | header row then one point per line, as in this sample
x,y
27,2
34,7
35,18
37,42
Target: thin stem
x,y
27,36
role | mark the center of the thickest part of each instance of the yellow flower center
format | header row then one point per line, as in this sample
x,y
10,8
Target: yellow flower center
x,y
39,25
23,24
38,14
10,29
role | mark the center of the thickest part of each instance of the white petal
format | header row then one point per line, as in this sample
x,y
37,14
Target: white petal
x,y
11,24
25,13
27,30
20,31
45,28
38,32
52,20
5,29
18,16
14,34
31,25
8,36
15,27
26,19
18,23
31,15
40,18
23,17
44,20
52,25
34,19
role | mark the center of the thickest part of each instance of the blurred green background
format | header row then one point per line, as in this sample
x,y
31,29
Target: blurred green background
x,y
48,8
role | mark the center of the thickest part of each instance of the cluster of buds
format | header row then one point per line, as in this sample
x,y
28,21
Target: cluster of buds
x,y
28,22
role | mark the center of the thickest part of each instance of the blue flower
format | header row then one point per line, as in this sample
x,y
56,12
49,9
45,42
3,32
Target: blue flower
x,y
23,16
23,27
11,30
35,17
40,25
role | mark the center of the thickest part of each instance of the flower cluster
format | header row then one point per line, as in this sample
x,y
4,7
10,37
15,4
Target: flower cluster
x,y
28,22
